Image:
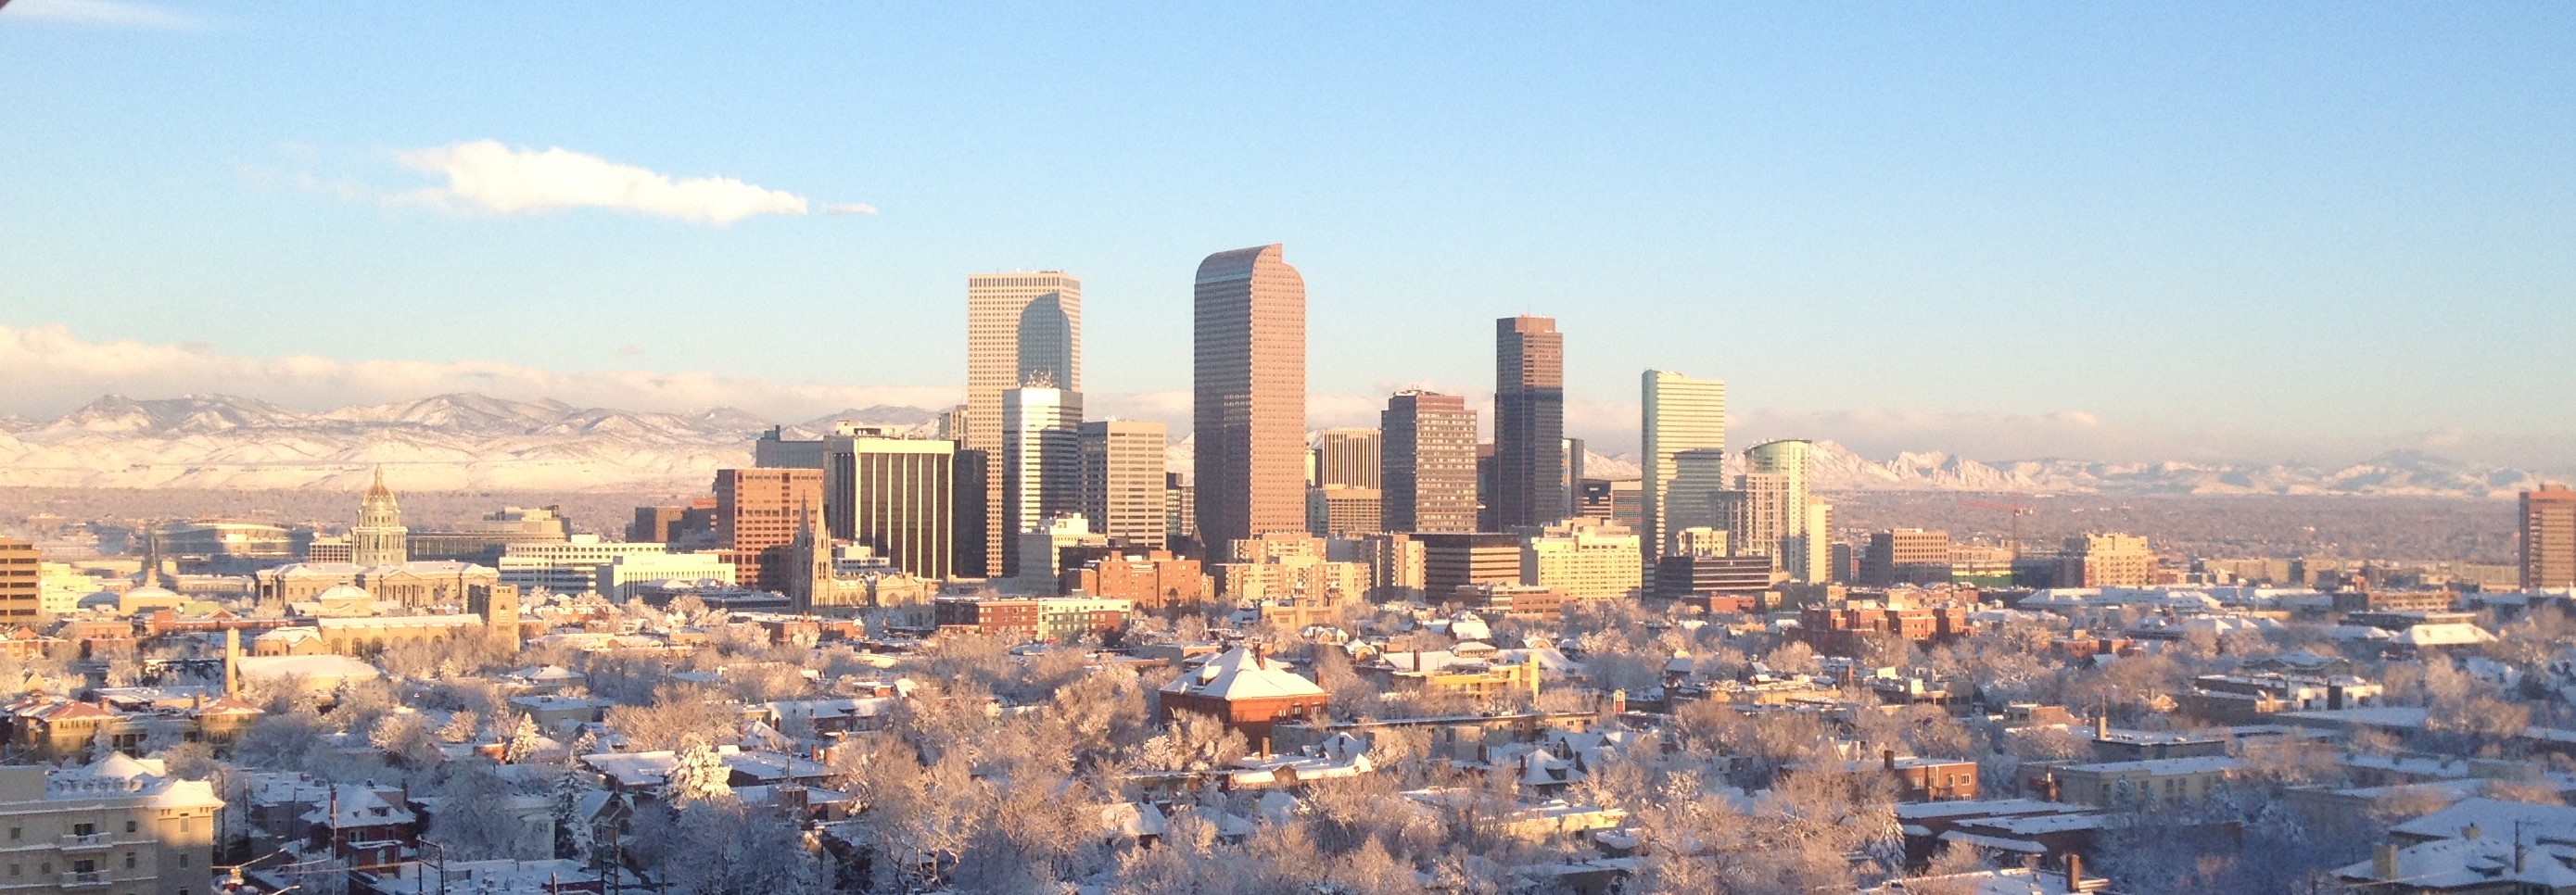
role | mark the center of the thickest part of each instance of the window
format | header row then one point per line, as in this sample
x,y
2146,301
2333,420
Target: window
x,y
183,859
13,833
85,865
13,870
129,860
84,829
129,826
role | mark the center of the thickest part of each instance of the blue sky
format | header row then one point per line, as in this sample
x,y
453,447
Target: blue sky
x,y
2238,231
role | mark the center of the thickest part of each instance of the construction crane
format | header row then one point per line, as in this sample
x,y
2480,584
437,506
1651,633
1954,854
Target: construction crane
x,y
2017,509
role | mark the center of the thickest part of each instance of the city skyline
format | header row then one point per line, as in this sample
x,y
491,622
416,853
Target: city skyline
x,y
1761,450
2109,220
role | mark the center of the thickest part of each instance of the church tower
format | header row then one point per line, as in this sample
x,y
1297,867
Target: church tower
x,y
811,551
379,538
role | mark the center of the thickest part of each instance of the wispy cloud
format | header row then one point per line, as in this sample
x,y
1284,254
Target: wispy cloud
x,y
103,13
488,176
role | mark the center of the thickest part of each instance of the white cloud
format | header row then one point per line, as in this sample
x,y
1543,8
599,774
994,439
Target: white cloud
x,y
850,208
105,13
488,176
50,371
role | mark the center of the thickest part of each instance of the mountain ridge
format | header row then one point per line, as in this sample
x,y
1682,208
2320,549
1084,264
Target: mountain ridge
x,y
472,441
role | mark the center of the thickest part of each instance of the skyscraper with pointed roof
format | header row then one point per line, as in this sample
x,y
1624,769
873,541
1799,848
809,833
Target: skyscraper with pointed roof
x,y
379,539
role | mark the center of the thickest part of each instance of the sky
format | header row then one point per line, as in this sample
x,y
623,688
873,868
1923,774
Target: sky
x,y
2224,231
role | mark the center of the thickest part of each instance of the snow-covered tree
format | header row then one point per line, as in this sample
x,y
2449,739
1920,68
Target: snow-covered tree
x,y
699,776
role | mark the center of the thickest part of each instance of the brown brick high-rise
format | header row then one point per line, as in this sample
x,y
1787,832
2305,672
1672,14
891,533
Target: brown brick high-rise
x,y
1249,396
757,511
2549,537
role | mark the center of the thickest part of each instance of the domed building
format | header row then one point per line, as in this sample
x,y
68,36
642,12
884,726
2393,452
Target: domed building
x,y
379,539
148,598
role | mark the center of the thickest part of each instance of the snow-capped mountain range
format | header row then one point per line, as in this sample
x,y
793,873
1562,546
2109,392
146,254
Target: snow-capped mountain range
x,y
473,442
448,442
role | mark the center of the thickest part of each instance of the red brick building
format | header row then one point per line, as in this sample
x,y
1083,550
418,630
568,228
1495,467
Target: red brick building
x,y
1846,630
1247,690
1016,619
1153,581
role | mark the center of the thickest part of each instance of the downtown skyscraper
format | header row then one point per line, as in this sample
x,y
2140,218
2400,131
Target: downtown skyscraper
x,y
1021,329
1529,423
1041,462
1430,463
1684,429
1248,384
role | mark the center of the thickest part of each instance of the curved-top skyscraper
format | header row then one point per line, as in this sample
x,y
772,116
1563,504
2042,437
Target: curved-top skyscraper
x,y
1248,381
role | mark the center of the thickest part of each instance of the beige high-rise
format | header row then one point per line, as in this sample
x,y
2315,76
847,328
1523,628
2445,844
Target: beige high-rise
x,y
1122,481
1248,381
1020,327
1681,414
1347,458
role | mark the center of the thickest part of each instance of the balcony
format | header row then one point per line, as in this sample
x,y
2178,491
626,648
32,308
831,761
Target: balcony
x,y
85,879
85,841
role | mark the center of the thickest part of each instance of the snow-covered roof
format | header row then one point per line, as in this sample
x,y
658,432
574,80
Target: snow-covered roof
x,y
2444,634
316,668
359,806
2552,821
2160,767
1241,673
2463,864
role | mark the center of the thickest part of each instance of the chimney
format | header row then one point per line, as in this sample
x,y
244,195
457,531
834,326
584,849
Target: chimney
x,y
1618,703
1888,758
2383,862
2471,832
2074,872
2102,722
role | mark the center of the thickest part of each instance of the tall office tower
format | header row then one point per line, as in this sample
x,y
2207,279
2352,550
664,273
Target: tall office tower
x,y
1485,487
1757,514
774,450
1249,396
1573,478
757,512
379,538
1018,325
22,580
1794,461
1041,461
1783,530
893,495
1529,422
1809,554
969,514
1428,463
1181,512
1122,481
1680,414
2549,537
1346,458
